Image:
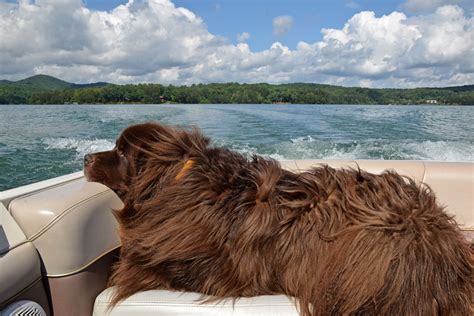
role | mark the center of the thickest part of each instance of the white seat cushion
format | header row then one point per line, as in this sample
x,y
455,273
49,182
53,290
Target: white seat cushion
x,y
167,303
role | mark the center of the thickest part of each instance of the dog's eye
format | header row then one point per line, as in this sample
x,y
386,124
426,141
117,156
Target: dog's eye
x,y
121,154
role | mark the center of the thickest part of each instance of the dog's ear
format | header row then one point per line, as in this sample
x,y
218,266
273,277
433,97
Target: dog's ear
x,y
169,144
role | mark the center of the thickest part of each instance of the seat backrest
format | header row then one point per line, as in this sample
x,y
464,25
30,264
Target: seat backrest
x,y
71,226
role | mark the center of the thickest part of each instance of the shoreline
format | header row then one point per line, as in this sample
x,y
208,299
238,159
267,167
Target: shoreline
x,y
42,89
230,104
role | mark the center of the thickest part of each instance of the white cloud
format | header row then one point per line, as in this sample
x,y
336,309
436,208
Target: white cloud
x,y
352,4
424,6
243,37
155,41
133,40
282,24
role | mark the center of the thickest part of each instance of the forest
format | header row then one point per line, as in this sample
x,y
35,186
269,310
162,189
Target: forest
x,y
42,89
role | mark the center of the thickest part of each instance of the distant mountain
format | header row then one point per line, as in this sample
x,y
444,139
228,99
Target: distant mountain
x,y
460,88
45,82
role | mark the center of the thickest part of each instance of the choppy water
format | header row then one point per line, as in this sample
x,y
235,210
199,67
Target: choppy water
x,y
41,142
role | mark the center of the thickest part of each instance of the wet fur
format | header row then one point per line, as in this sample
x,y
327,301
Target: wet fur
x,y
340,241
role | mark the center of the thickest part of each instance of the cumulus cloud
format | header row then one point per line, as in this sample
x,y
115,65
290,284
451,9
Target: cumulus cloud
x,y
424,6
282,24
243,37
155,41
136,39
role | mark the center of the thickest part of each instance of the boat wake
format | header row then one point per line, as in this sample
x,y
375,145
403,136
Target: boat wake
x,y
307,147
310,148
80,146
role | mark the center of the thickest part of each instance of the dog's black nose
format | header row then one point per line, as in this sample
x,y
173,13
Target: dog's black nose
x,y
88,159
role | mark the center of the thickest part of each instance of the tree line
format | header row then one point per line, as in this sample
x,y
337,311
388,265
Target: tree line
x,y
235,93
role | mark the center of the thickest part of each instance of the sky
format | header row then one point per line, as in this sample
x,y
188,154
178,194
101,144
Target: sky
x,y
367,43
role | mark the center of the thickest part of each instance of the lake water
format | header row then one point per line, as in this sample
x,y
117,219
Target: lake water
x,y
38,142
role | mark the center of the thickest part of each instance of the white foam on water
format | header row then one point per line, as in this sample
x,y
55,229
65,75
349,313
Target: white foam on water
x,y
443,151
302,139
310,148
81,146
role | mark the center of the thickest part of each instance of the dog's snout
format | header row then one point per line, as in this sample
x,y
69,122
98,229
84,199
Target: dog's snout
x,y
88,159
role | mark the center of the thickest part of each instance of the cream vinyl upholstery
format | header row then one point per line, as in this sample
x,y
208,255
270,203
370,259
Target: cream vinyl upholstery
x,y
167,303
452,182
20,266
70,225
60,232
19,262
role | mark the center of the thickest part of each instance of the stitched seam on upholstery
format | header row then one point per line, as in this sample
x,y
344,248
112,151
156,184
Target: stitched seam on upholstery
x,y
64,213
16,246
39,191
80,269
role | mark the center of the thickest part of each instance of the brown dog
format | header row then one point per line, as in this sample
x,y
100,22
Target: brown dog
x,y
205,219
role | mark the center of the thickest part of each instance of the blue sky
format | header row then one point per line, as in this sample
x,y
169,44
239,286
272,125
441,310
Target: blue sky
x,y
368,43
231,17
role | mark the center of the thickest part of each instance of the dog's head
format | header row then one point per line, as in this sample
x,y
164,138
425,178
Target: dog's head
x,y
117,167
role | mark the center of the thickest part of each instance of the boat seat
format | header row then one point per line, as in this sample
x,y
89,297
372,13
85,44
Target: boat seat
x,y
167,303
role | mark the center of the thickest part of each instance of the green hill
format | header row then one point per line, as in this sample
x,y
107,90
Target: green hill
x,y
43,89
42,82
45,82
21,91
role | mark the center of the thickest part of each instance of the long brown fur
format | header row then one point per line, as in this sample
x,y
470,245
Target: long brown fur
x,y
342,242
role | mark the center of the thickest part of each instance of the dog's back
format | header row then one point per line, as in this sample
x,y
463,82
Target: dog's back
x,y
383,246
